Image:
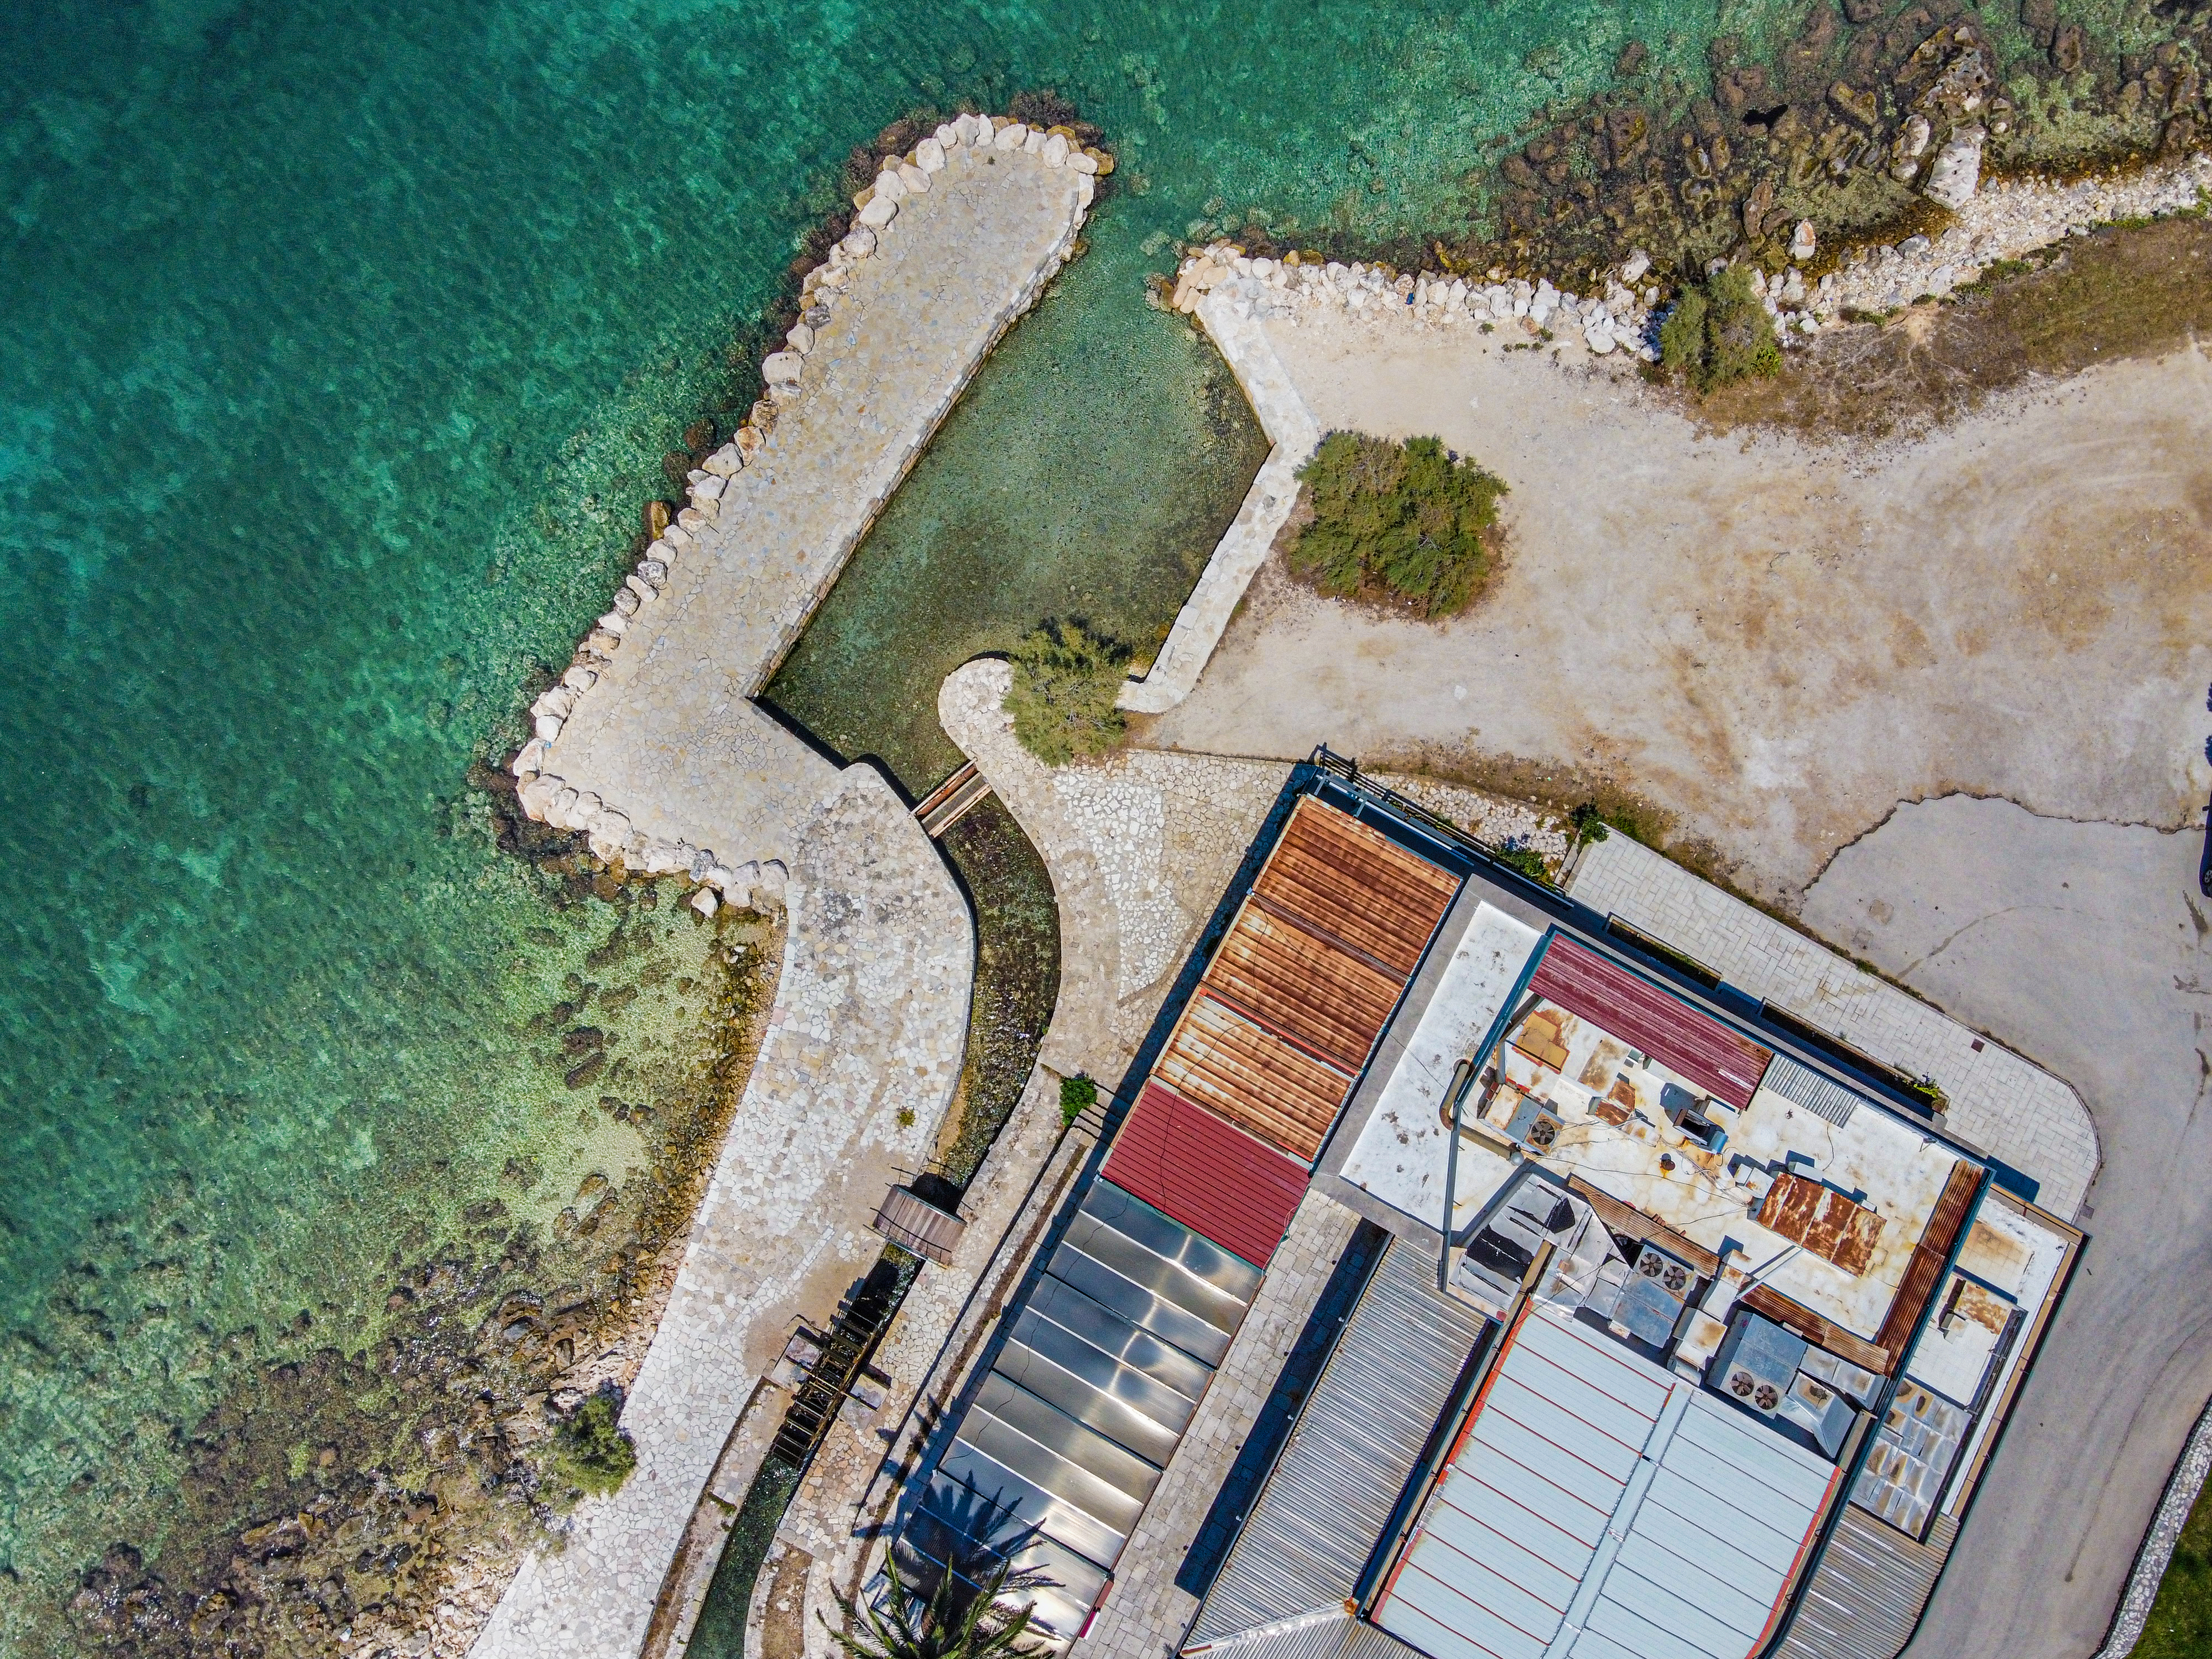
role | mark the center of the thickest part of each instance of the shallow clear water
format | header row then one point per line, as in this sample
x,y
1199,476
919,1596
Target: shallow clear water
x,y
339,348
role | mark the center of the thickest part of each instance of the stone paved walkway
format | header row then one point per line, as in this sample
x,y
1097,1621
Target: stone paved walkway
x,y
2014,1110
1290,428
867,1031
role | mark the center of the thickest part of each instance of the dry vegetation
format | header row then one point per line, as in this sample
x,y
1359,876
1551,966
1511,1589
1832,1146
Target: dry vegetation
x,y
2133,291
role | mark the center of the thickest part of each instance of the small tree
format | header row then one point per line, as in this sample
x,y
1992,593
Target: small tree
x,y
591,1448
1720,332
1065,681
1410,519
957,1621
1078,1095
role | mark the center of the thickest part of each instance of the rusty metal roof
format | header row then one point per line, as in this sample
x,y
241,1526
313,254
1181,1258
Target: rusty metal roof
x,y
1326,1000
1687,1039
1213,1177
1222,1059
1354,888
1297,994
1823,1220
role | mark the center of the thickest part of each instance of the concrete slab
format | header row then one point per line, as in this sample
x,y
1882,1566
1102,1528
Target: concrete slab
x,y
2086,944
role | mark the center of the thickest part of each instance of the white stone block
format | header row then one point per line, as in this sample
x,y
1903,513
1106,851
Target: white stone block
x,y
914,177
1055,151
879,212
1081,161
782,368
1033,144
929,154
1009,136
889,185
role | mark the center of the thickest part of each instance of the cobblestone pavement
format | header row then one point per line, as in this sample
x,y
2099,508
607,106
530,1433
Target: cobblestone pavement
x,y
863,1047
670,735
1145,1614
2014,1110
1140,845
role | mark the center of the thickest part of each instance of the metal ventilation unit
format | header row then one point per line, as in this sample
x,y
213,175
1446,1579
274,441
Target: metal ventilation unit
x,y
1757,1361
1651,1302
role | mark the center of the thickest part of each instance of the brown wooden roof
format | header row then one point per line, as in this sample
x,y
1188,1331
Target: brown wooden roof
x,y
1229,1063
1324,1000
1355,888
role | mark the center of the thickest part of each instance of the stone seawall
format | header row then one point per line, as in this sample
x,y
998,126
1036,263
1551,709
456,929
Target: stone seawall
x,y
650,745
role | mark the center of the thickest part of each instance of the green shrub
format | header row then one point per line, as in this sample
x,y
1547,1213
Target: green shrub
x,y
1066,679
1078,1095
1526,860
1720,332
591,1449
1405,519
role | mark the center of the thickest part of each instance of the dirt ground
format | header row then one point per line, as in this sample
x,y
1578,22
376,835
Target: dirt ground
x,y
1769,640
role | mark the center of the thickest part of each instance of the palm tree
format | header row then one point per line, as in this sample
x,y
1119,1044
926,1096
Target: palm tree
x,y
960,1619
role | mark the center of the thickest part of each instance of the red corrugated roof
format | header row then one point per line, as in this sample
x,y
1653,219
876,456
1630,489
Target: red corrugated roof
x,y
1724,1063
1207,1174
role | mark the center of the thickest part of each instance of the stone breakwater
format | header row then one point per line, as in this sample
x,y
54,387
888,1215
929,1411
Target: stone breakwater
x,y
648,743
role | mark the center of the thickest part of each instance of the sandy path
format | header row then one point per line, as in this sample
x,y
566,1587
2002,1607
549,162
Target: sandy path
x,y
1775,642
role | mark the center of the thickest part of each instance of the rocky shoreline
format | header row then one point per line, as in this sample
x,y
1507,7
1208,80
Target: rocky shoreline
x,y
548,797
2007,220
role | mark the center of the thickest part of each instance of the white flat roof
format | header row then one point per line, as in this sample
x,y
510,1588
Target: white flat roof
x,y
1598,1507
1617,1136
1400,1156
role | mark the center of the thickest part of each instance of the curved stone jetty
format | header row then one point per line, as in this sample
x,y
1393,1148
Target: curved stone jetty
x,y
652,746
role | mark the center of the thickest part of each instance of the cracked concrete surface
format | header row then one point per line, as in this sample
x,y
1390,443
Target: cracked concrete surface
x,y
2086,944
1774,642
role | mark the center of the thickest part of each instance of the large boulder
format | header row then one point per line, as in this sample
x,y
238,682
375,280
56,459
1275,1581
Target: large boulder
x,y
1957,171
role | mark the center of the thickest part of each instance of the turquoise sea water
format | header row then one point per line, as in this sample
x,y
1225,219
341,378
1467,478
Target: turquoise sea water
x,y
339,348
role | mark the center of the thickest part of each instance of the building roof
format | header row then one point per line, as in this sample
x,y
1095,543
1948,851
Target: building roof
x,y
1297,994
1053,1457
1600,1507
1209,1175
1687,1039
1356,886
1329,1498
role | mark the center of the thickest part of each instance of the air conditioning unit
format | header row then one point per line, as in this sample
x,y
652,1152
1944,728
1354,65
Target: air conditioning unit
x,y
1651,1302
1535,1125
1757,1361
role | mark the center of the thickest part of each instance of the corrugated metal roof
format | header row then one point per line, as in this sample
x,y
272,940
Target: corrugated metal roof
x,y
1866,1596
1823,1097
1221,1058
1326,999
1356,887
1299,990
1326,1633
1725,1064
1341,1473
1603,1507
1207,1174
